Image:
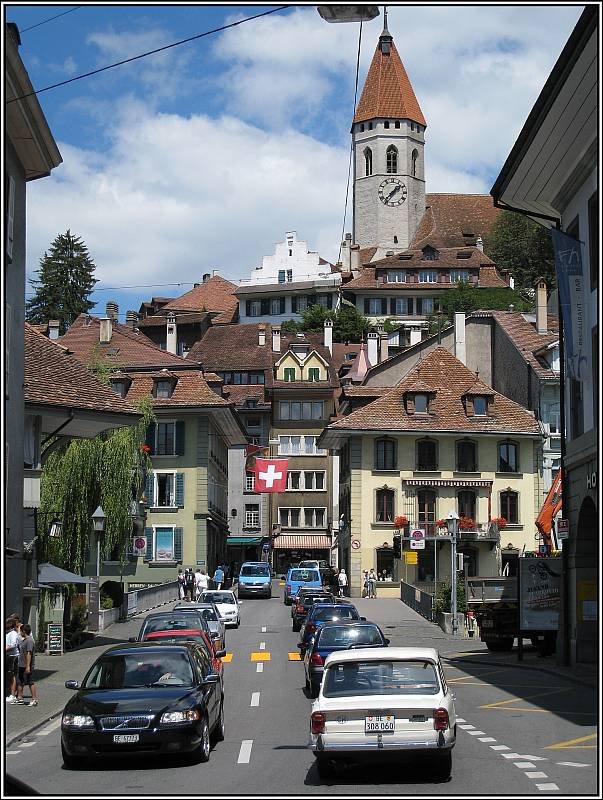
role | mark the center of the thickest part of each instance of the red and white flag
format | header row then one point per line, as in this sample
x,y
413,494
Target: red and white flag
x,y
271,474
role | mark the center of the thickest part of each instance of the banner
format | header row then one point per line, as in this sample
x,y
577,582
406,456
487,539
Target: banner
x,y
570,283
539,594
550,509
271,474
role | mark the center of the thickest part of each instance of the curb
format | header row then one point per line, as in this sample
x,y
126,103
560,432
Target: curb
x,y
548,670
38,724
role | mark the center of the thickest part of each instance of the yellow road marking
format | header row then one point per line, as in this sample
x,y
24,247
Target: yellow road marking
x,y
281,583
467,653
499,705
260,656
466,677
573,744
227,658
294,656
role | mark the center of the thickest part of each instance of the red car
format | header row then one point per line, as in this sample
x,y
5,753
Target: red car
x,y
176,636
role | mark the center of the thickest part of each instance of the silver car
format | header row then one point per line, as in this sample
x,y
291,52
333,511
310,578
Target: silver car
x,y
211,615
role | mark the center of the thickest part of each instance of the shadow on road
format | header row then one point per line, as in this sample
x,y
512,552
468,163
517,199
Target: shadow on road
x,y
415,771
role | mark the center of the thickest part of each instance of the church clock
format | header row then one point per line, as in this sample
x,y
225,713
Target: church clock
x,y
392,192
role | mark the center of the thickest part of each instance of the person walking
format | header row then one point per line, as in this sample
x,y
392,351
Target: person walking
x,y
201,582
11,659
365,584
218,577
342,581
181,585
27,657
372,582
190,584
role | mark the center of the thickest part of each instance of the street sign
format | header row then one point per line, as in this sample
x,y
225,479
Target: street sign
x,y
266,547
140,546
417,539
562,529
411,557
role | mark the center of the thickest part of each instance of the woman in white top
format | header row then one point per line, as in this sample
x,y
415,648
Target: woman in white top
x,y
342,579
201,582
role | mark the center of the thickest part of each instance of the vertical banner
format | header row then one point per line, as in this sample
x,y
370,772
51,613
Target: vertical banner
x,y
539,594
570,283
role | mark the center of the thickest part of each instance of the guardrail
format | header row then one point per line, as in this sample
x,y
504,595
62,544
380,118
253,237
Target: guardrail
x,y
149,598
419,601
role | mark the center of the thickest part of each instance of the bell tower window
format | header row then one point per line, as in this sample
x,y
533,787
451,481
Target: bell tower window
x,y
414,157
368,161
392,159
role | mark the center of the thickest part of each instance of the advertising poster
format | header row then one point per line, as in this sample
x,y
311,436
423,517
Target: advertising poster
x,y
568,267
164,544
539,594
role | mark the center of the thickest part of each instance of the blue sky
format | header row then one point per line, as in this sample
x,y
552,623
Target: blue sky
x,y
201,157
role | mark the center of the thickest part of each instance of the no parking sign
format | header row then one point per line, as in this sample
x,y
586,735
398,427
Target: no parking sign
x,y
417,539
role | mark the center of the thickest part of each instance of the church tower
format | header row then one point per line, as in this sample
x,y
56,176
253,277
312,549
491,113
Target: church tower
x,y
389,169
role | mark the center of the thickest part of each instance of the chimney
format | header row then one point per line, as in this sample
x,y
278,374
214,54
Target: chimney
x,y
276,338
480,243
106,330
460,350
131,318
171,336
195,285
328,335
346,254
112,310
215,272
355,257
373,348
206,277
384,349
261,335
541,300
53,329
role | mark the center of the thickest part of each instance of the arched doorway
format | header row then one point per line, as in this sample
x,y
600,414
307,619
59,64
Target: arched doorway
x,y
584,565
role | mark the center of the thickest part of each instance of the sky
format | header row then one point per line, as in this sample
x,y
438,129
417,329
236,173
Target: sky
x,y
202,156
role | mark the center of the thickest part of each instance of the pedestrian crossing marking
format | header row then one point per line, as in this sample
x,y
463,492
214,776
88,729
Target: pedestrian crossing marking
x,y
227,658
294,656
260,656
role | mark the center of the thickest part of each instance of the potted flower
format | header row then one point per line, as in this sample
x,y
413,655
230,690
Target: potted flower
x,y
401,523
466,524
441,525
501,522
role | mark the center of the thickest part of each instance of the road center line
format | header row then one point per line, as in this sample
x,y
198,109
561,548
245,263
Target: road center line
x,y
245,751
50,728
476,733
486,739
499,747
264,629
262,645
255,699
536,775
571,764
524,765
547,787
259,667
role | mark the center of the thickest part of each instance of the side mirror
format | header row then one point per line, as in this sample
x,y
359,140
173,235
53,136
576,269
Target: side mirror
x,y
210,679
132,639
363,619
386,641
72,684
220,653
239,602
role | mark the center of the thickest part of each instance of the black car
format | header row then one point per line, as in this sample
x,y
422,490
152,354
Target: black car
x,y
171,620
303,602
144,699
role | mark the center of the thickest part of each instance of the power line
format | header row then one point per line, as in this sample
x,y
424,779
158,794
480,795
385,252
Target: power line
x,y
31,27
149,53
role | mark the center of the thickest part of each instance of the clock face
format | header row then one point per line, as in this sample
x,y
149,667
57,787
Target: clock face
x,y
392,192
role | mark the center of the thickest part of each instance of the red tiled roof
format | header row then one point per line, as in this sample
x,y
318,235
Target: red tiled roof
x,y
340,351
366,254
240,394
387,90
233,347
127,348
190,388
449,378
527,341
365,391
54,377
216,294
448,216
158,320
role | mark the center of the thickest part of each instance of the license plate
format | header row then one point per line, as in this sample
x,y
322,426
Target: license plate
x,y
379,724
126,738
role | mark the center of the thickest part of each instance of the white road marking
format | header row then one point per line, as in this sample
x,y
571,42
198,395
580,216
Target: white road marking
x,y
255,699
571,764
547,787
12,752
245,751
499,747
264,629
467,727
262,645
536,775
458,719
524,757
50,728
259,667
27,744
486,739
524,765
476,733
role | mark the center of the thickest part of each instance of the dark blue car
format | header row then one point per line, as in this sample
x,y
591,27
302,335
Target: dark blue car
x,y
320,613
334,636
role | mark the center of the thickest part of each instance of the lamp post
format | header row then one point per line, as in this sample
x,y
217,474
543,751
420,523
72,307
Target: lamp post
x,y
98,521
452,523
340,13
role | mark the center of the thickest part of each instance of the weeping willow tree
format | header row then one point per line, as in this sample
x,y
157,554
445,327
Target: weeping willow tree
x,y
80,475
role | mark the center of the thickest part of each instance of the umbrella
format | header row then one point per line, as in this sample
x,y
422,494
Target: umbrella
x,y
48,573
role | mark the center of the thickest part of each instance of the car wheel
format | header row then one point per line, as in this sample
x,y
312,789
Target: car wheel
x,y
71,762
220,730
324,767
443,766
296,627
204,749
238,622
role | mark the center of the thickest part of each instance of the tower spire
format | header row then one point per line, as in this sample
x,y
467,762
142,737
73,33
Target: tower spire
x,y
386,39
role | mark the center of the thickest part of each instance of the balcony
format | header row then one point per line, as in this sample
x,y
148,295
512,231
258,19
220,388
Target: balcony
x,y
482,532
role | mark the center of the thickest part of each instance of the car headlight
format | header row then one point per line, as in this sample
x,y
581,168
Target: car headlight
x,y
77,721
171,717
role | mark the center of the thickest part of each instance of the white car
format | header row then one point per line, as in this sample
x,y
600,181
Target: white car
x,y
226,603
383,702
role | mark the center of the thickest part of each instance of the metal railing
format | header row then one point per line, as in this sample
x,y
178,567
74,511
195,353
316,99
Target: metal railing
x,y
418,600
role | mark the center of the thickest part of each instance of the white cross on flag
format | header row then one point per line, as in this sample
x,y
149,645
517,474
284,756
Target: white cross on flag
x,y
271,474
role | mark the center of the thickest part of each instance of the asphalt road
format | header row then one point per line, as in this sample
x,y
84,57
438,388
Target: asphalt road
x,y
524,733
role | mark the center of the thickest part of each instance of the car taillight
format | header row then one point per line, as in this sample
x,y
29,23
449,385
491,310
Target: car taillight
x,y
318,722
299,608
440,719
317,659
288,588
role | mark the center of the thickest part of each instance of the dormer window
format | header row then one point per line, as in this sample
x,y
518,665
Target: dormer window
x,y
430,254
164,388
120,387
420,404
480,406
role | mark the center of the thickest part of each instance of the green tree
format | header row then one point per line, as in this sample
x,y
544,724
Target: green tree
x,y
65,282
348,324
467,298
520,245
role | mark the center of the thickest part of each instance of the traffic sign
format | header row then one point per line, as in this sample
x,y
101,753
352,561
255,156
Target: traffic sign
x,y
417,539
562,529
411,557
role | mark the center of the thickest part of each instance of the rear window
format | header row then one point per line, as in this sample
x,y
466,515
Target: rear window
x,y
304,575
309,599
346,635
182,622
256,570
343,612
381,677
220,597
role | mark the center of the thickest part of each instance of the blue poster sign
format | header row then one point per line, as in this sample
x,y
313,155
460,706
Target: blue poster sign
x,y
266,547
570,282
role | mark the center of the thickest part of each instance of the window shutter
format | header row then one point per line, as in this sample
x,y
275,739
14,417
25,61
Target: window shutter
x,y
149,489
180,437
282,299
150,437
148,532
10,217
329,301
419,303
180,489
367,308
248,308
294,305
265,306
409,303
178,544
384,305
392,306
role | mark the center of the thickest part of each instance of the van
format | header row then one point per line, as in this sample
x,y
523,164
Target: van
x,y
298,577
255,578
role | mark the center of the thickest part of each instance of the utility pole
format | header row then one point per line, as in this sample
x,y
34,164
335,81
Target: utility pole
x,y
452,522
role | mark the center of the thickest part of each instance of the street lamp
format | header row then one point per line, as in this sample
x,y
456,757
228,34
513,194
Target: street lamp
x,y
360,13
98,521
452,523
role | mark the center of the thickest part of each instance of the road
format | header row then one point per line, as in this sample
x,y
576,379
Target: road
x,y
522,732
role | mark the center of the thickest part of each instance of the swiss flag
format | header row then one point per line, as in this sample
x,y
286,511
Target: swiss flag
x,y
271,474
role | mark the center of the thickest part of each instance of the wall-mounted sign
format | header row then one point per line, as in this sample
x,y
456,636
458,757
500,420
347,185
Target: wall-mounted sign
x,y
562,529
55,638
139,546
355,544
417,539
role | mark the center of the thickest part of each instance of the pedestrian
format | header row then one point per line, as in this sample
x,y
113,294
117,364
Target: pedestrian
x,y
218,577
190,584
27,657
372,582
342,581
201,582
11,659
181,585
365,584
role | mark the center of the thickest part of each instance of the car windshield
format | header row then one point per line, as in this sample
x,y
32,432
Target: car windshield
x,y
349,678
304,575
181,622
346,635
310,599
341,612
150,668
255,570
220,597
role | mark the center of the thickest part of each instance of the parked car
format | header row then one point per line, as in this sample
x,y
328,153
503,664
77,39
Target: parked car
x,y
211,615
226,603
319,614
304,601
332,637
144,699
298,577
171,620
255,578
383,703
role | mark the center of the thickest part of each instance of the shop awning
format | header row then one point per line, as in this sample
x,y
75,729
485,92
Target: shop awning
x,y
244,540
48,573
304,542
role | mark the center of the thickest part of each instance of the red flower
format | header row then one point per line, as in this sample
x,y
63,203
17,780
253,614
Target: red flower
x,y
501,522
440,523
145,448
401,522
466,524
